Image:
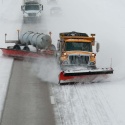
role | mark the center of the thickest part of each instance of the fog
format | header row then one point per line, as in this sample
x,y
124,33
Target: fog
x,y
46,69
104,18
99,103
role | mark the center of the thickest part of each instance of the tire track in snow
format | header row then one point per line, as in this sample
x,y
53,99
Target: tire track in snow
x,y
69,102
97,105
65,106
105,103
101,112
82,104
73,106
83,114
86,99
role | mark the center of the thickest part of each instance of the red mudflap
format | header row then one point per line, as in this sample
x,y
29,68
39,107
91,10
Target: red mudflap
x,y
22,53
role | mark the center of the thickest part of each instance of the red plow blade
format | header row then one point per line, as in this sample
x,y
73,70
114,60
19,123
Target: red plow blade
x,y
24,54
84,75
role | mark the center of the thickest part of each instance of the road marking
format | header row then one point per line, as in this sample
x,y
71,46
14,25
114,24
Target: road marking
x,y
52,100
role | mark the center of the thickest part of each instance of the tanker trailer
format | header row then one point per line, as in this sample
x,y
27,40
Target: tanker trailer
x,y
38,40
42,43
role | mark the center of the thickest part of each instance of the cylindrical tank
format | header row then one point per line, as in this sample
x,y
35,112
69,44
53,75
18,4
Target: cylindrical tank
x,y
25,38
38,40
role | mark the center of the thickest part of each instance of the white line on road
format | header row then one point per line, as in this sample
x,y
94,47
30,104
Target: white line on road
x,y
52,100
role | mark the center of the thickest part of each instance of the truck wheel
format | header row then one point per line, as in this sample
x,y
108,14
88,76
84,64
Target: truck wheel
x,y
26,48
16,47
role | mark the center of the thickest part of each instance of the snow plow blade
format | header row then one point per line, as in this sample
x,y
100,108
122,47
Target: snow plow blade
x,y
20,54
83,75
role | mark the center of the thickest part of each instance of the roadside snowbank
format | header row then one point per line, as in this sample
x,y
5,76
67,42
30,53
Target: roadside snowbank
x,y
5,73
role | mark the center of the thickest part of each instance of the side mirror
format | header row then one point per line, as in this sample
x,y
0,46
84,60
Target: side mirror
x,y
42,7
22,8
58,45
97,47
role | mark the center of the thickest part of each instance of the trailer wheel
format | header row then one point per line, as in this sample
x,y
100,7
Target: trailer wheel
x,y
17,47
26,48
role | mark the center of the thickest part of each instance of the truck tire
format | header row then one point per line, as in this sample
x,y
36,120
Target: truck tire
x,y
26,48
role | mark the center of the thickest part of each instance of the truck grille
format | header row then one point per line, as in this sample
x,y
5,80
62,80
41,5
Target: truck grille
x,y
78,59
32,14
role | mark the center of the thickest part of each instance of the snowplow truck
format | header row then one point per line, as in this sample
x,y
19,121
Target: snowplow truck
x,y
32,11
30,45
77,60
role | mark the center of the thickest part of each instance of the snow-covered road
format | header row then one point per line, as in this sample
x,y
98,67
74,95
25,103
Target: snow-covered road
x,y
89,104
97,103
80,104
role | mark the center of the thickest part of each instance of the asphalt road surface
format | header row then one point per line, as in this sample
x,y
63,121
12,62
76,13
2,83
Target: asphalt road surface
x,y
28,100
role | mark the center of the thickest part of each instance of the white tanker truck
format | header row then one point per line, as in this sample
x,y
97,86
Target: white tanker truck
x,y
42,42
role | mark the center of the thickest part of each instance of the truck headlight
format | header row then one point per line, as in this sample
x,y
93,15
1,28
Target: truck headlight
x,y
64,54
93,54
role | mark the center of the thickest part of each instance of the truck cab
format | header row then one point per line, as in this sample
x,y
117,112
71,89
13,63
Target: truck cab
x,y
75,49
32,10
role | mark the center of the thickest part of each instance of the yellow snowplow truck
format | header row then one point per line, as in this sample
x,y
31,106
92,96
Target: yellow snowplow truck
x,y
77,60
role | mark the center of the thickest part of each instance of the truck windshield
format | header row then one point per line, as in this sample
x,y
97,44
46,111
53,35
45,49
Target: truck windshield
x,y
71,46
31,7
